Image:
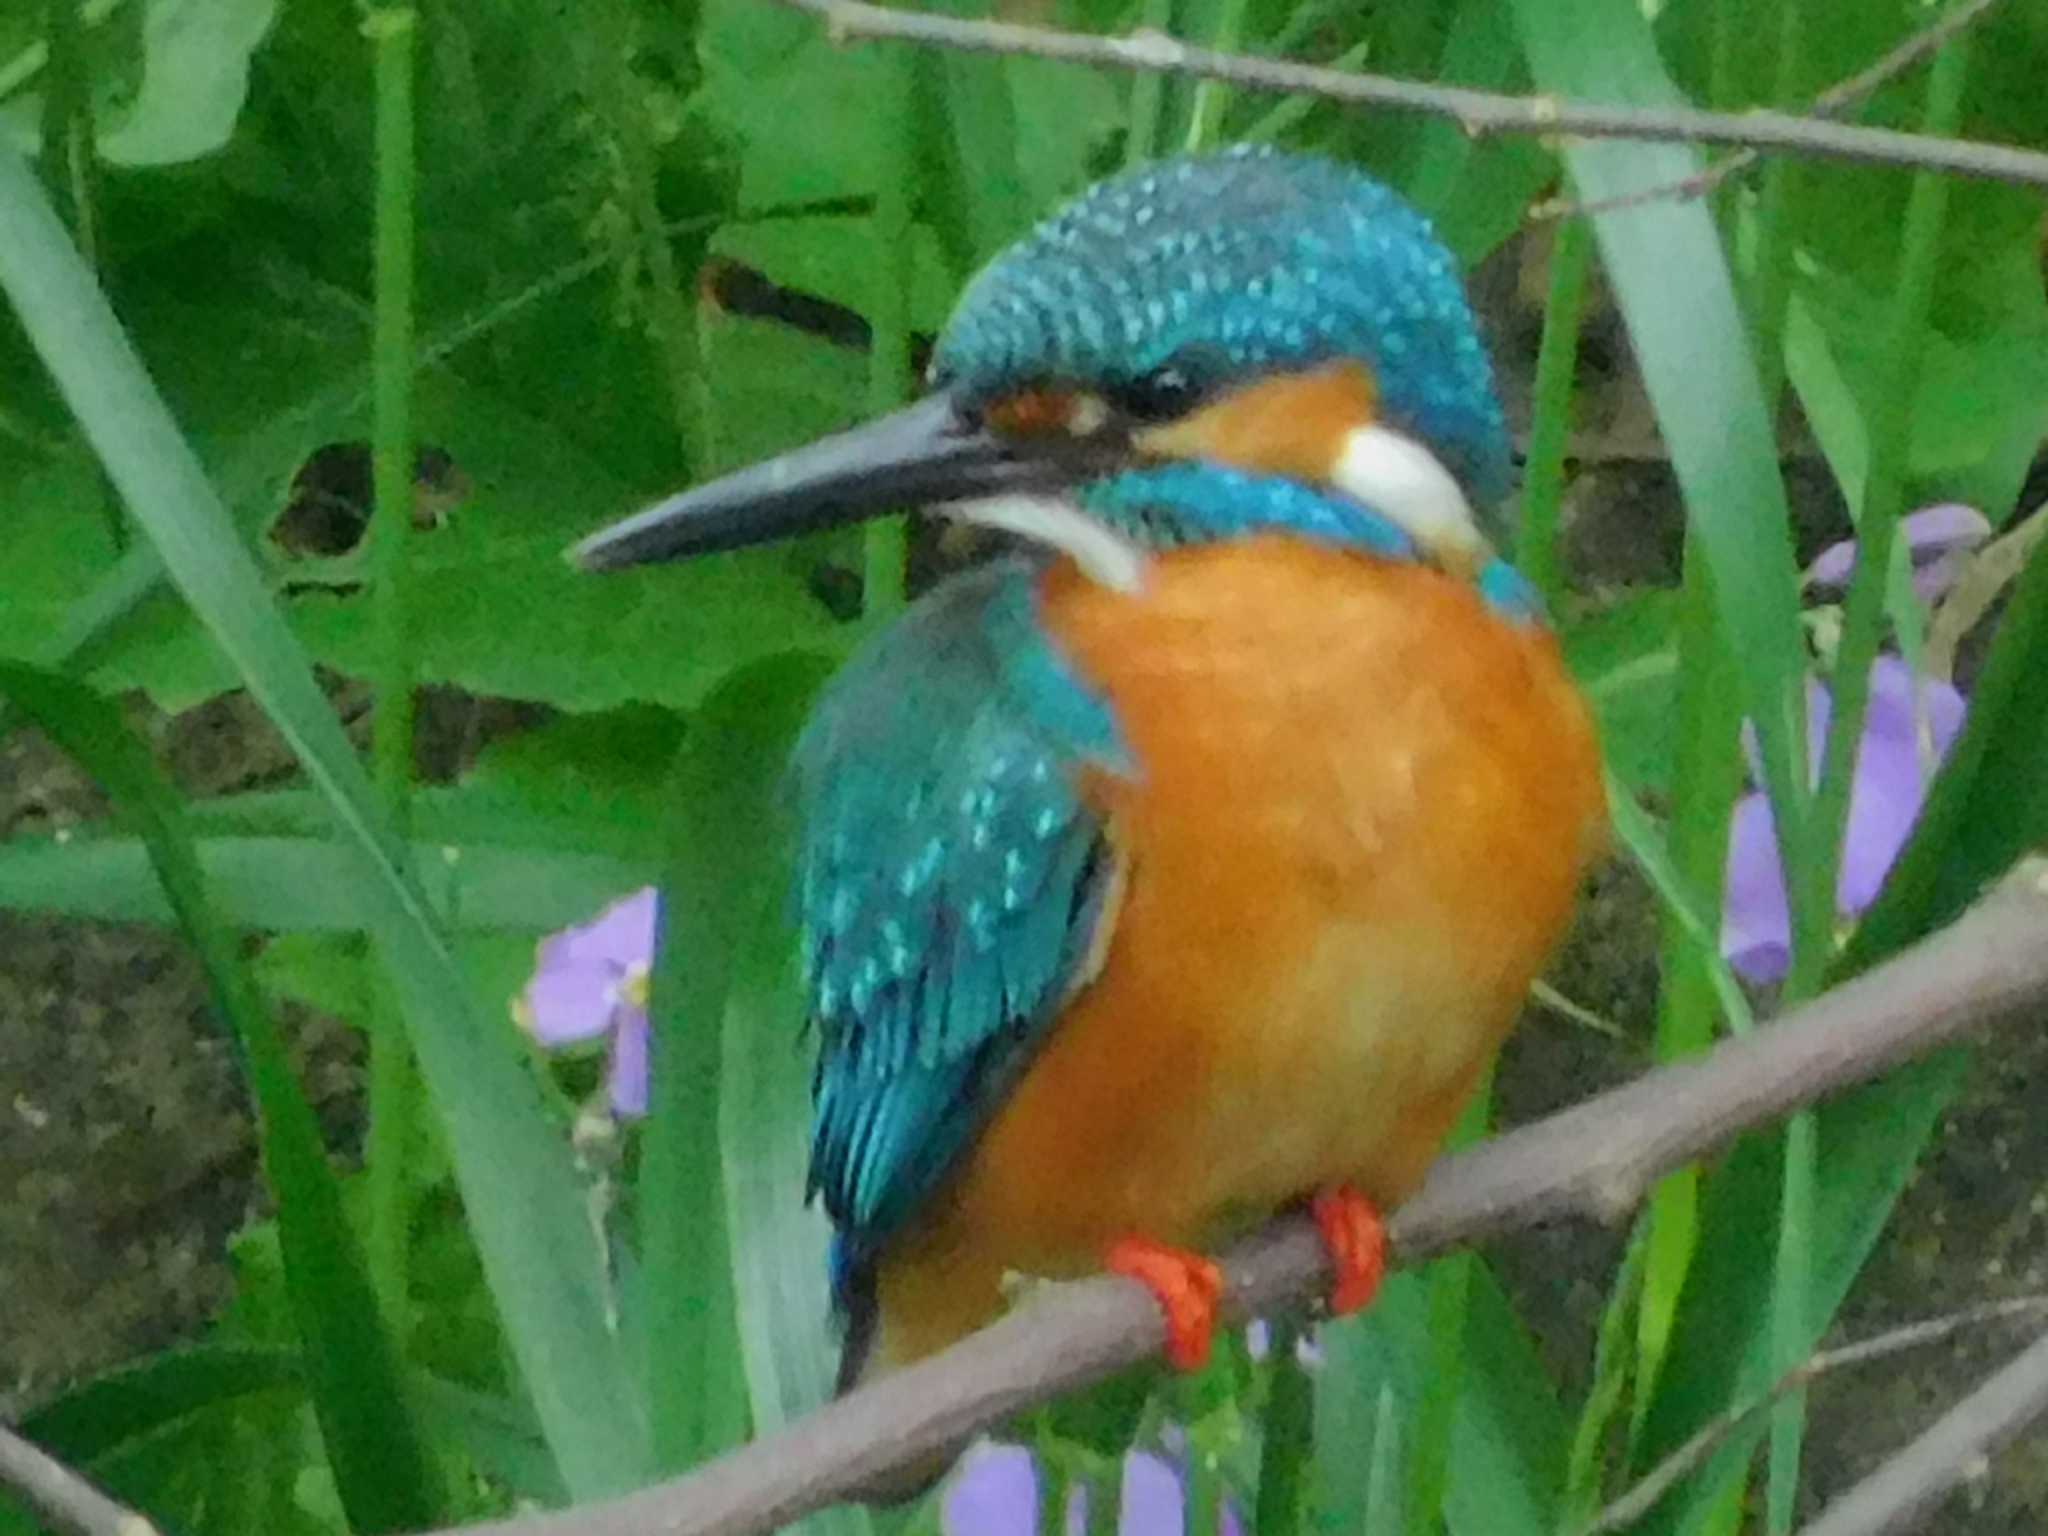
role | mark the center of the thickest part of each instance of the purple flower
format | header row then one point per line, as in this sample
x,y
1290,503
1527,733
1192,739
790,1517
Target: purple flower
x,y
590,982
995,1493
1893,766
1939,539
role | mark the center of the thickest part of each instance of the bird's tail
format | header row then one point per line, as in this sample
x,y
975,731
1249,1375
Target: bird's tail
x,y
854,1299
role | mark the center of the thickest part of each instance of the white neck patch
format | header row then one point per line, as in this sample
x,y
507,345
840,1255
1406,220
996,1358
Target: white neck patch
x,y
1400,479
1105,556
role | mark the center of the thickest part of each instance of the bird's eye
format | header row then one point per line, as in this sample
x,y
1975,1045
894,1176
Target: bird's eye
x,y
1167,393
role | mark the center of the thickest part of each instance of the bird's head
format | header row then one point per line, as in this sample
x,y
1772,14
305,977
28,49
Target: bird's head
x,y
1126,370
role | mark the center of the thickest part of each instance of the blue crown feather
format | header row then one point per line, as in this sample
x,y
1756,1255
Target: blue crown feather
x,y
1237,264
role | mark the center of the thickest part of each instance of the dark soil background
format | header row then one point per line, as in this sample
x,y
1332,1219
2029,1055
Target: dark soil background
x,y
126,1158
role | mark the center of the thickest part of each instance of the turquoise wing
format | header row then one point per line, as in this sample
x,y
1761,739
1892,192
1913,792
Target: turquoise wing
x,y
950,881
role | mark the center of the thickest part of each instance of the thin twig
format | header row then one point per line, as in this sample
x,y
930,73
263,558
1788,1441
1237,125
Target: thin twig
x,y
1643,1497
1835,101
1959,1445
1595,1160
1477,112
1844,94
61,1496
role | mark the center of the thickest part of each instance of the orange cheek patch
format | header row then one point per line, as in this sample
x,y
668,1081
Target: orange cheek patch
x,y
1294,424
1032,412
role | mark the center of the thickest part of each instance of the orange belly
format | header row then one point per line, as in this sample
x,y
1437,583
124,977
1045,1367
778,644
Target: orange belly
x,y
1363,807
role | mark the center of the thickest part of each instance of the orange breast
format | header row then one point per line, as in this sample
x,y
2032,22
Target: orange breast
x,y
1365,802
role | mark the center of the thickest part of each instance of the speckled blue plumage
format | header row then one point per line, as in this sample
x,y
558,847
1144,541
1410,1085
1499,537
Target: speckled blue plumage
x,y
1239,263
948,881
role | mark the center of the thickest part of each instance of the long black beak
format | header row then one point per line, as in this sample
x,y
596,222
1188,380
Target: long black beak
x,y
928,452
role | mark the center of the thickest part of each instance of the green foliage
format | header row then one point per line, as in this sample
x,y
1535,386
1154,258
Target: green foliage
x,y
653,242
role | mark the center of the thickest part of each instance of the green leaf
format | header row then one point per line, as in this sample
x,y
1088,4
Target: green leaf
x,y
1509,1434
802,109
499,1439
210,1434
286,884
1476,192
324,971
380,1468
723,873
1626,661
1646,845
195,77
193,80
1065,119
522,1193
971,132
777,1238
134,1401
1976,400
810,255
777,388
499,611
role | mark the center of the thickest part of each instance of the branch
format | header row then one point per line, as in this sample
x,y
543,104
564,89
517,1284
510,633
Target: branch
x,y
63,1497
1844,94
1477,112
1594,1160
1897,1494
1836,101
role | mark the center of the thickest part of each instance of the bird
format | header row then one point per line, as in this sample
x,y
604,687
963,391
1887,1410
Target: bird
x,y
1190,865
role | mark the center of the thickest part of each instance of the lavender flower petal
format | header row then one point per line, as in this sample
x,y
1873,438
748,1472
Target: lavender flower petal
x,y
995,1493
626,1081
1935,537
1756,925
622,935
565,1004
1893,769
1892,774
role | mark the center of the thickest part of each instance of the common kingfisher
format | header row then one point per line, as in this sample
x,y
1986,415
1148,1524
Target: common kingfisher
x,y
1192,866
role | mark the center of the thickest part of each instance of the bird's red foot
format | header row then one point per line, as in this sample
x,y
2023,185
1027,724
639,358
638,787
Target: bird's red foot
x,y
1188,1287
1357,1240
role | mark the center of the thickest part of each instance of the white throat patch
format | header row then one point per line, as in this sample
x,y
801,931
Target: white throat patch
x,y
1397,477
1105,556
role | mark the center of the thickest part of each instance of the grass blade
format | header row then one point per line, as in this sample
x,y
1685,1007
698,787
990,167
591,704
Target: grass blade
x,y
724,839
286,884
137,1401
777,1241
1669,275
394,1084
1287,1448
